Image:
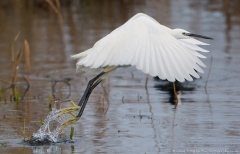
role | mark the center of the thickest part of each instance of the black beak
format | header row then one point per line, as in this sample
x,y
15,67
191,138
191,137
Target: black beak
x,y
196,35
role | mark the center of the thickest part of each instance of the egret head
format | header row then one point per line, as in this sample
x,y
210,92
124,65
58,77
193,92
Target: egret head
x,y
183,34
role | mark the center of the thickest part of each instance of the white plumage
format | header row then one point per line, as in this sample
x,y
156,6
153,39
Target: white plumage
x,y
148,45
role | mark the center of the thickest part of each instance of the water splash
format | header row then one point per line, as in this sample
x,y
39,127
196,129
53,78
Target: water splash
x,y
50,130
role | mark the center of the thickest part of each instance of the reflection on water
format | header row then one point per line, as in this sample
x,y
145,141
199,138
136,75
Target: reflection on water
x,y
181,88
48,150
210,123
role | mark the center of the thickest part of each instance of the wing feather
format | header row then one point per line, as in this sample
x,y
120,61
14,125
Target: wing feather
x,y
172,62
138,46
143,42
192,60
194,41
161,71
153,68
185,64
147,54
167,62
192,46
140,55
179,57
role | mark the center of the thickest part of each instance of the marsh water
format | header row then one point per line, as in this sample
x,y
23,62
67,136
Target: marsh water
x,y
122,116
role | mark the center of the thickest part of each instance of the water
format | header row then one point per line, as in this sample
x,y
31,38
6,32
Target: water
x,y
121,115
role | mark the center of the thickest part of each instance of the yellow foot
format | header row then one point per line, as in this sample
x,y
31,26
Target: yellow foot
x,y
68,122
69,110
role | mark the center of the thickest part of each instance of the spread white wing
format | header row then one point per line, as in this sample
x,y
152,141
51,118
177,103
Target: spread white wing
x,y
149,46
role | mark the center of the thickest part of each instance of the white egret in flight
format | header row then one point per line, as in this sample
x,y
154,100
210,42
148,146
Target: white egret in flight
x,y
142,42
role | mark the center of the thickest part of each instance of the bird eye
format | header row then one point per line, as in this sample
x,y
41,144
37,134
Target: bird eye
x,y
184,33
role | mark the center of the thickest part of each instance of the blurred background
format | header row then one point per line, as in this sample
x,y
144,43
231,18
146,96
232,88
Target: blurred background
x,y
37,38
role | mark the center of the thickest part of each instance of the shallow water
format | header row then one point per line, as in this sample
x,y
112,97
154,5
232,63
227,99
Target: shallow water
x,y
121,115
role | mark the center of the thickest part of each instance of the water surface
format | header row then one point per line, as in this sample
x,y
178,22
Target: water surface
x,y
121,115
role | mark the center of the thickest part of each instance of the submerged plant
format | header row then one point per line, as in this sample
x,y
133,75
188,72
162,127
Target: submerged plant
x,y
16,95
41,122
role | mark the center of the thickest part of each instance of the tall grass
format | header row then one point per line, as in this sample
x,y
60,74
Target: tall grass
x,y
12,47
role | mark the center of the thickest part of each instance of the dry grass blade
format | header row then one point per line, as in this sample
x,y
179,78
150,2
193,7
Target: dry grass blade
x,y
27,55
53,6
56,9
58,5
15,69
15,39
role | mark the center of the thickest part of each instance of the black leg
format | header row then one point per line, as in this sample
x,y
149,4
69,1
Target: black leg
x,y
86,98
90,83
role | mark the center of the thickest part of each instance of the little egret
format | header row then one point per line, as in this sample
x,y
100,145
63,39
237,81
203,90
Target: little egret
x,y
142,42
